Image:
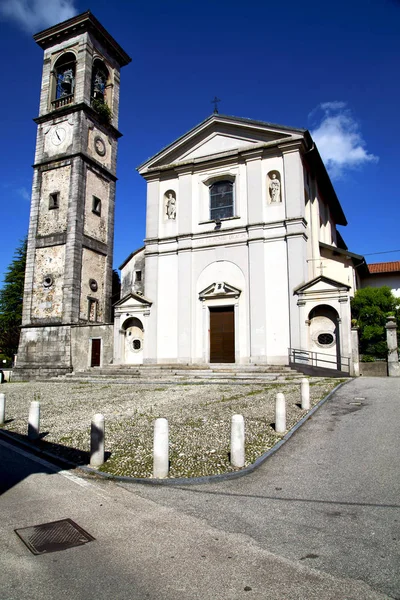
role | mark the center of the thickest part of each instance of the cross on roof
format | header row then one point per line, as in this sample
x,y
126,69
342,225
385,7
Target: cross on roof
x,y
215,102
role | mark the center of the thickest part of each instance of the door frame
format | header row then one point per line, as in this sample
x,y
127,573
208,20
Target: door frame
x,y
207,304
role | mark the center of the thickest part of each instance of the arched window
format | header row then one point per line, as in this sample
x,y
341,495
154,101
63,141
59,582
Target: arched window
x,y
221,200
100,77
64,74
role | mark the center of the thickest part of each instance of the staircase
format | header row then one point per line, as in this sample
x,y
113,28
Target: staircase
x,y
177,373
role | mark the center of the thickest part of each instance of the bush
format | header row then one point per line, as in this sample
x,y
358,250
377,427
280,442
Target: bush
x,y
103,111
370,307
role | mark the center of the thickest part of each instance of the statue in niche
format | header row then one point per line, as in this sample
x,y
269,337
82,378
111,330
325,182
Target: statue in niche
x,y
275,189
171,206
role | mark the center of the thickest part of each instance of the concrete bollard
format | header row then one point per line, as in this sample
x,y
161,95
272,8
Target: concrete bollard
x,y
2,409
305,394
280,413
237,441
160,449
97,441
34,420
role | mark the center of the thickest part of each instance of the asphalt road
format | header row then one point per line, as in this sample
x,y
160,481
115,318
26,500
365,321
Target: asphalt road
x,y
319,520
329,498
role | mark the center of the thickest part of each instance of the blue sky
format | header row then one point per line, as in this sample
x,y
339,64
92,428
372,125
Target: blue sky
x,y
332,68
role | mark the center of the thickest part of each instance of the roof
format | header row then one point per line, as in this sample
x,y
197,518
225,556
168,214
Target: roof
x,y
83,22
384,267
216,117
132,254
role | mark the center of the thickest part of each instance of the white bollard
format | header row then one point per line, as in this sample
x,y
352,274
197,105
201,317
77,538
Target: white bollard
x,y
97,441
280,413
160,449
305,394
2,409
34,420
237,441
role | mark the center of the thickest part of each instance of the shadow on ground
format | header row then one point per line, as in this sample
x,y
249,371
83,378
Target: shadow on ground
x,y
16,463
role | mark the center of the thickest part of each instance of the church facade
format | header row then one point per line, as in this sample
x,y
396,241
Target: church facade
x,y
242,261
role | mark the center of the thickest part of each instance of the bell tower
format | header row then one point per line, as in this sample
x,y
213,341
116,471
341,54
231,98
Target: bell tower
x,y
68,279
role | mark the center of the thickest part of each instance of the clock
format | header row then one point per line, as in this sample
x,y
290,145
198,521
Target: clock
x,y
58,135
99,146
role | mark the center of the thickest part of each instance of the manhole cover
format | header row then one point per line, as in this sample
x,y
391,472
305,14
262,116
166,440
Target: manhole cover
x,y
55,536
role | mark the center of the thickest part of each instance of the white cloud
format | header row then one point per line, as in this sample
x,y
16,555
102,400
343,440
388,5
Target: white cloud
x,y
34,15
23,192
339,139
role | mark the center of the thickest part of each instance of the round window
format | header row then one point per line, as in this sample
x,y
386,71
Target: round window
x,y
325,339
47,281
93,285
136,344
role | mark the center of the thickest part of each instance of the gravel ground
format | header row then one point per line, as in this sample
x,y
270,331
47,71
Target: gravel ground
x,y
198,416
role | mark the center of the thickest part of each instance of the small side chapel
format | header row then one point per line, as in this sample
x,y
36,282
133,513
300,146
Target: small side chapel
x,y
242,262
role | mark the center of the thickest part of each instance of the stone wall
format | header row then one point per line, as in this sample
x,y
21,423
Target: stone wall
x,y
81,340
374,369
43,352
47,297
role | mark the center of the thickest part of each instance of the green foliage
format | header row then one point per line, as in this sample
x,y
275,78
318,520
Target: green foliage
x,y
103,110
370,307
11,296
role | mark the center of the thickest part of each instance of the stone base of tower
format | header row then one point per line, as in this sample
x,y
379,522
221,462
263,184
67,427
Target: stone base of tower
x,y
43,352
52,351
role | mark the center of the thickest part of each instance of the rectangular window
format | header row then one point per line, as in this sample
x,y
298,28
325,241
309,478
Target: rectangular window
x,y
96,206
54,200
92,310
138,275
221,200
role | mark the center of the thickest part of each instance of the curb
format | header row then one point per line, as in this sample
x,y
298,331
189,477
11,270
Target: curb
x,y
177,480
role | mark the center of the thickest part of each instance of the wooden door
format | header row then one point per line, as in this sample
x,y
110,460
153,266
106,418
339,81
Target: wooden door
x,y
96,351
222,334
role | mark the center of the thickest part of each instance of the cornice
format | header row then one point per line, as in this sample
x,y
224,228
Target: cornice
x,y
72,108
58,162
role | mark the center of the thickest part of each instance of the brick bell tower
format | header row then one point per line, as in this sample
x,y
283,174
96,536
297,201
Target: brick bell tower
x,y
68,279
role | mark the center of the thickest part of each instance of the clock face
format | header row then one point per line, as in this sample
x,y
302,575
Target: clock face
x,y
58,135
99,145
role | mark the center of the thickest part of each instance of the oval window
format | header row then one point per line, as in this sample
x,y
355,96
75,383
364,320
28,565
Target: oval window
x,y
137,344
325,339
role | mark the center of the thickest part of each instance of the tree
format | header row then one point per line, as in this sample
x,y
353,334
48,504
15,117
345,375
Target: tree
x,y
11,296
370,307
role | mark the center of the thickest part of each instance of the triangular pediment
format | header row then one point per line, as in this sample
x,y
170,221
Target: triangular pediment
x,y
321,284
217,135
219,289
132,300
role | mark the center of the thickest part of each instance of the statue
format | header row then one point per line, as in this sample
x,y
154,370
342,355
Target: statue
x,y
275,189
171,206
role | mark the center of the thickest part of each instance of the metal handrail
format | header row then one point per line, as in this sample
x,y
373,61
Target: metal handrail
x,y
314,359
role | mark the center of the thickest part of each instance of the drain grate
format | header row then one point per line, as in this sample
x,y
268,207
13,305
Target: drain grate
x,y
53,537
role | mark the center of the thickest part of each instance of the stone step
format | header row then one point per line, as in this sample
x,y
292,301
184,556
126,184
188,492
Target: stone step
x,y
170,373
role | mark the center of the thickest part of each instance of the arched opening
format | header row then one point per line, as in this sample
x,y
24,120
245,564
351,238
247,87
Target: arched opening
x,y
324,335
64,80
133,344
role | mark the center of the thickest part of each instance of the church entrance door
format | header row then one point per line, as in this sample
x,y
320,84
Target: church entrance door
x,y
222,334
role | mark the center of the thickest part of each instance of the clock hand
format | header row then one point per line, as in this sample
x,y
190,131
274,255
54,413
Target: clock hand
x,y
57,134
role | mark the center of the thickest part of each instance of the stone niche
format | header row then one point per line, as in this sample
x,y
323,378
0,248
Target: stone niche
x,y
170,205
274,187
